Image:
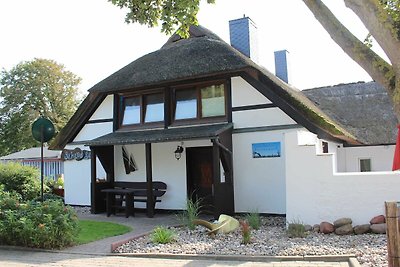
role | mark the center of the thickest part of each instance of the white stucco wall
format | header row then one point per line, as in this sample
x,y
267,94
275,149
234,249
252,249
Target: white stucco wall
x,y
315,193
260,117
94,130
77,179
105,110
381,158
259,183
165,168
243,94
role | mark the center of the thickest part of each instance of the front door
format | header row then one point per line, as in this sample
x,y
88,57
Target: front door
x,y
200,176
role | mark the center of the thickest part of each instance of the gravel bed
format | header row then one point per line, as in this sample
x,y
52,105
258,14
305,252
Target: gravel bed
x,y
270,240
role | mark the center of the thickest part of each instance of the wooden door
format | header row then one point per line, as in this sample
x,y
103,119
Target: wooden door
x,y
200,176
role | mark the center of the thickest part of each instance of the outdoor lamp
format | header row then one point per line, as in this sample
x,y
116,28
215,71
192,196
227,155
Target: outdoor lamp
x,y
178,152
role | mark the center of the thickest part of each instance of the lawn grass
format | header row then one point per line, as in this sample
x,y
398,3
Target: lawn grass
x,y
94,230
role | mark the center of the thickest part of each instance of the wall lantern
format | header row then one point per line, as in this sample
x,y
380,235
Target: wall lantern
x,y
178,152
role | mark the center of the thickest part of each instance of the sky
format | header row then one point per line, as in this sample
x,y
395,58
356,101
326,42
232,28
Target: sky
x,y
91,39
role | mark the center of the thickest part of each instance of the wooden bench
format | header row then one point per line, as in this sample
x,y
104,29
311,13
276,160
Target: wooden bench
x,y
140,190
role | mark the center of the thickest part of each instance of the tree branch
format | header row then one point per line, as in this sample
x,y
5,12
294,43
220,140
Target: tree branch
x,y
379,23
377,67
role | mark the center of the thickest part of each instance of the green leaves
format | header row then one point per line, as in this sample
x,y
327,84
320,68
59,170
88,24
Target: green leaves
x,y
33,88
172,14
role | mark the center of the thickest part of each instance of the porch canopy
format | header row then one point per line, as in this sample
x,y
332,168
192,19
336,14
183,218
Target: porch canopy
x,y
103,148
160,135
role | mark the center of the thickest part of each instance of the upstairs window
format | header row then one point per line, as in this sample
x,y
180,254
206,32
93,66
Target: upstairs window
x,y
138,110
212,101
131,113
200,102
154,108
186,104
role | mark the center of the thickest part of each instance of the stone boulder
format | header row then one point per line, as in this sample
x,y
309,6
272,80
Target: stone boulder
x,y
378,219
308,228
378,228
361,229
341,222
316,228
346,229
326,228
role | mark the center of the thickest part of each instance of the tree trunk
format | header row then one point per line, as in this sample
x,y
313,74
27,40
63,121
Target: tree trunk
x,y
380,70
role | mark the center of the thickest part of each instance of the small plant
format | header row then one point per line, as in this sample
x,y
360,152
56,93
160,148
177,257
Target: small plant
x,y
296,229
191,213
254,220
162,235
246,232
59,183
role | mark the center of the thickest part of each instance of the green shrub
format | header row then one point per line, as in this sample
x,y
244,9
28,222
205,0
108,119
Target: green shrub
x,y
23,180
34,224
296,229
191,213
254,220
49,196
162,235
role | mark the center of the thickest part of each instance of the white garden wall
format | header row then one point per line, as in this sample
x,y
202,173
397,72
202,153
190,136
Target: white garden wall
x,y
315,193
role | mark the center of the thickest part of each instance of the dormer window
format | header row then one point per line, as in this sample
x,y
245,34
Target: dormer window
x,y
187,104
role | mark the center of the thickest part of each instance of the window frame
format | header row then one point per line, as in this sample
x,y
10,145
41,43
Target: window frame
x,y
198,119
142,95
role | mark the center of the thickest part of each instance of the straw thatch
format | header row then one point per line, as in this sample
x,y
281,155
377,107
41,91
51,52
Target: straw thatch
x,y
362,108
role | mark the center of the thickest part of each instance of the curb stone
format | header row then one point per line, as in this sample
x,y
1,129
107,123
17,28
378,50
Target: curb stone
x,y
350,259
326,258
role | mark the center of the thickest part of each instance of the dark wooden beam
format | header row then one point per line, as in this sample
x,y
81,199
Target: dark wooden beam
x,y
93,175
149,180
116,108
228,97
167,107
218,206
106,156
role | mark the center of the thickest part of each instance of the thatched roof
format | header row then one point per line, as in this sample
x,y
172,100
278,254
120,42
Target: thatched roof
x,y
199,56
204,55
362,108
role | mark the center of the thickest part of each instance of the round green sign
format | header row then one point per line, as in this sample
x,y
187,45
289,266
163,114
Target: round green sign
x,y
43,126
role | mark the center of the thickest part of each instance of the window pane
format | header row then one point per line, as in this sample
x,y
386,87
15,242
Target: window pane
x,y
154,108
186,104
213,101
365,165
132,111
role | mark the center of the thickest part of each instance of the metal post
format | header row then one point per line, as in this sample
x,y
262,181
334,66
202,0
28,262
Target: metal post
x,y
41,163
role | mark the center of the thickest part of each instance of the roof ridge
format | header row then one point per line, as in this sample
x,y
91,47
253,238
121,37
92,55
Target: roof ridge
x,y
337,85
